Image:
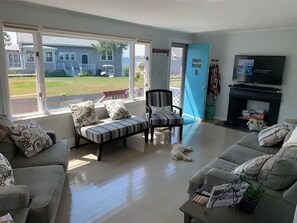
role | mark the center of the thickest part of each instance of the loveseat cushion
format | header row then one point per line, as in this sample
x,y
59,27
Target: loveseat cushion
x,y
45,185
113,129
239,154
197,179
251,141
57,154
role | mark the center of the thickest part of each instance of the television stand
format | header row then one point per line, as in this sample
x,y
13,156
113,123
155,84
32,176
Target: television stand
x,y
240,95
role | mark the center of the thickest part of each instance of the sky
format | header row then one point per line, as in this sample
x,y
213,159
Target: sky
x,y
139,49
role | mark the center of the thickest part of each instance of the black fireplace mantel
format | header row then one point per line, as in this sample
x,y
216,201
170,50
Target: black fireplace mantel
x,y
239,97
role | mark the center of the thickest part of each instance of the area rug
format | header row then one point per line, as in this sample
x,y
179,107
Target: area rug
x,y
235,127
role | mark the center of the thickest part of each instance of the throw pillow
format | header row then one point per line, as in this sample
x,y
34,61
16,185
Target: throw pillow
x,y
83,114
3,131
161,110
4,120
280,171
30,138
6,173
116,109
252,167
273,135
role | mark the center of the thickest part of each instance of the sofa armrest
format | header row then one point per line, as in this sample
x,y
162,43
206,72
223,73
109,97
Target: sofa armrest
x,y
290,194
14,197
215,177
52,135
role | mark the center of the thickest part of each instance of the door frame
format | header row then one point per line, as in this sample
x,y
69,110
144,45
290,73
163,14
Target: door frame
x,y
182,87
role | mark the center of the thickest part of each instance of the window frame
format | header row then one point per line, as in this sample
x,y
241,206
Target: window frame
x,y
39,61
46,57
70,54
106,56
30,56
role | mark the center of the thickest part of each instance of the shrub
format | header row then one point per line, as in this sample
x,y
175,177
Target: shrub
x,y
126,71
56,73
13,71
137,75
141,66
84,74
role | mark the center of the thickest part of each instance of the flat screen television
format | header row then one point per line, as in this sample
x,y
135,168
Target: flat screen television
x,y
259,69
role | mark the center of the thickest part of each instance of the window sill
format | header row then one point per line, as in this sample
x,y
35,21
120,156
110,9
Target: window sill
x,y
52,113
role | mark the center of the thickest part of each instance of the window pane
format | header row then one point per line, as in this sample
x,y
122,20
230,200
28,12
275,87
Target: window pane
x,y
103,57
61,56
21,73
49,56
140,71
72,81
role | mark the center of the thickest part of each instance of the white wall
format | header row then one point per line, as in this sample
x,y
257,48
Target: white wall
x,y
60,19
277,42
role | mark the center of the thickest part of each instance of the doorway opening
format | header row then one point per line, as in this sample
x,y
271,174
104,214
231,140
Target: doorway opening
x,y
177,72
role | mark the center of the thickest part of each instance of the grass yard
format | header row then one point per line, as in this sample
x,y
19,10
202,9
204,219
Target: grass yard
x,y
175,82
56,86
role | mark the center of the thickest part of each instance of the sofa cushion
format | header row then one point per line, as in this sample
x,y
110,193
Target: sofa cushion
x,y
113,129
3,131
273,135
240,154
166,119
6,173
252,167
251,141
57,154
280,171
8,148
45,185
116,109
83,114
197,179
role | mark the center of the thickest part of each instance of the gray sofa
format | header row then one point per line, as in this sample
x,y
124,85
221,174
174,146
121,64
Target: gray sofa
x,y
39,181
275,206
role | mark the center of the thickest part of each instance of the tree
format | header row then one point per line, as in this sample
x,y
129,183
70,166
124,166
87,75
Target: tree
x,y
7,39
105,46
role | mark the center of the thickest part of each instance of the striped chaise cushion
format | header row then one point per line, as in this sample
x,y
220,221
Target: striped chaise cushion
x,y
113,129
173,119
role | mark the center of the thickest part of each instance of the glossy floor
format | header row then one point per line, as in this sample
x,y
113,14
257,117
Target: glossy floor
x,y
137,183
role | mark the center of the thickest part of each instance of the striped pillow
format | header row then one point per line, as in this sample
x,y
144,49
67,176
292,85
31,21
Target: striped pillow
x,y
273,135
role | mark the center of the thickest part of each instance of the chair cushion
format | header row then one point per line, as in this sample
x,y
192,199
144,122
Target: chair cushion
x,y
30,138
6,173
57,154
166,120
113,129
239,154
45,185
83,113
251,141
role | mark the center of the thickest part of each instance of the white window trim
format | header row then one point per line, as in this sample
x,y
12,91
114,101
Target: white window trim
x,y
33,54
37,36
45,57
106,54
63,53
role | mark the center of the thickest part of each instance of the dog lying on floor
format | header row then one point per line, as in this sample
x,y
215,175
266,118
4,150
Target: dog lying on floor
x,y
178,150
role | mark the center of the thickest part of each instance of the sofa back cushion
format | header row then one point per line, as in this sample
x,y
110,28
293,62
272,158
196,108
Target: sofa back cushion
x,y
7,146
273,135
6,173
280,172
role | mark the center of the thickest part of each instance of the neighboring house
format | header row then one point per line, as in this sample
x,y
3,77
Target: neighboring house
x,y
61,53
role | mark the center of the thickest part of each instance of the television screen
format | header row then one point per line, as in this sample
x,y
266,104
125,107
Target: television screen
x,y
259,69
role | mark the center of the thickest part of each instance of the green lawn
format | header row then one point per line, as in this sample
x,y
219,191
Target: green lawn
x,y
175,82
56,86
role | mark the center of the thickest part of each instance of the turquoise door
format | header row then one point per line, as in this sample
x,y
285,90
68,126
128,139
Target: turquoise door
x,y
196,80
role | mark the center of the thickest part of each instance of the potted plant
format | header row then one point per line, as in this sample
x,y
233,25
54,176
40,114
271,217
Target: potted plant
x,y
250,199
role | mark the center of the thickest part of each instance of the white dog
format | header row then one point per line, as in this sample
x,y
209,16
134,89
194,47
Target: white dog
x,y
178,150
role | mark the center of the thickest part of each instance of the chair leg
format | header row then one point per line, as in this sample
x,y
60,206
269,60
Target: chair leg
x,y
181,133
152,134
146,133
99,152
77,140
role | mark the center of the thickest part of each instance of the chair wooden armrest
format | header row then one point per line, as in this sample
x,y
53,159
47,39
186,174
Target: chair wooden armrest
x,y
180,110
149,110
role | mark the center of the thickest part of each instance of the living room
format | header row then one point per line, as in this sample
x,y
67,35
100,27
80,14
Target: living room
x,y
140,169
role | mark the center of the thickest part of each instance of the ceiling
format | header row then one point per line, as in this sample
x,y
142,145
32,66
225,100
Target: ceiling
x,y
193,16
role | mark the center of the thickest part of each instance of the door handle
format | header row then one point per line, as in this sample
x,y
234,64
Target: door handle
x,y
203,88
